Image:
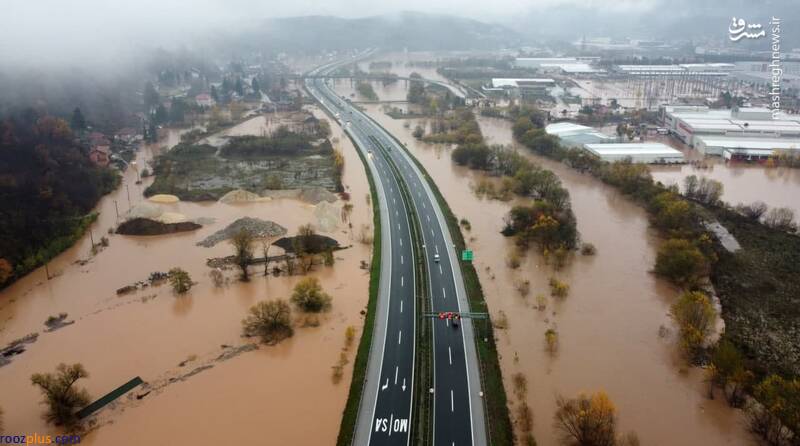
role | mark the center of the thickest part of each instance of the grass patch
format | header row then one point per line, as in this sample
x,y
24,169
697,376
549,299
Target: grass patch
x,y
759,287
350,414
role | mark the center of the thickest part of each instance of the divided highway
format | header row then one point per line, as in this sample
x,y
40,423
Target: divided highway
x,y
387,403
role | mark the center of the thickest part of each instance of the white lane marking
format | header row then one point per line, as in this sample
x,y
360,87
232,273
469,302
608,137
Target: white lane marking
x,y
428,217
452,407
440,269
401,241
401,280
423,205
399,336
398,226
450,355
396,368
444,294
396,213
437,248
394,201
401,306
432,233
401,259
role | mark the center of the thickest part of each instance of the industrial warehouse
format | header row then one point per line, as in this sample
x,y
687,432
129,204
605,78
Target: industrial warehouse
x,y
750,131
606,148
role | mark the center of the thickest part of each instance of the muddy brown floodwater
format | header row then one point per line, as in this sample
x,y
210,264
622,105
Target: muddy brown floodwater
x,y
608,326
742,183
274,395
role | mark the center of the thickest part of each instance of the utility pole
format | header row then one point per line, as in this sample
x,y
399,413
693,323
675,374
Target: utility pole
x,y
128,188
116,208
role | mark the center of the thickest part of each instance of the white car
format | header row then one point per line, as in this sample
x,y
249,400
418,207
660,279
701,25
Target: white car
x,y
436,258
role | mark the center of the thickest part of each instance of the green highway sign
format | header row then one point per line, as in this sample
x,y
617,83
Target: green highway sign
x,y
466,255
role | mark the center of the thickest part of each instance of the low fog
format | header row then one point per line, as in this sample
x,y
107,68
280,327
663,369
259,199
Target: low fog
x,y
99,32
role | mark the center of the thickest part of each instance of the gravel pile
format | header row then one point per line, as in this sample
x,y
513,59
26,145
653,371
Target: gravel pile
x,y
313,195
259,228
327,216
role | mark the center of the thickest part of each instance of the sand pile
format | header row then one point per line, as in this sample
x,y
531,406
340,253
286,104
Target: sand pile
x,y
164,198
241,196
171,217
145,210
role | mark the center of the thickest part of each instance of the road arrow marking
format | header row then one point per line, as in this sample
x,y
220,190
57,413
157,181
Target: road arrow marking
x,y
385,386
404,385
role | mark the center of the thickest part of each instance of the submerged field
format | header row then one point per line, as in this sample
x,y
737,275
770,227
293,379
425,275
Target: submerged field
x,y
201,375
283,159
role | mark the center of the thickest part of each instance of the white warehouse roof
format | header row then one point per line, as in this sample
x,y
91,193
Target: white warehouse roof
x,y
514,83
750,143
573,67
561,128
637,152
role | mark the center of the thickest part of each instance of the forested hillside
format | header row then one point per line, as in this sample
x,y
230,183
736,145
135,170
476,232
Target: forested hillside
x,y
48,187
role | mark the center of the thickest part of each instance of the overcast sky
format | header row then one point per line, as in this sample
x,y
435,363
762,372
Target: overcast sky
x,y
53,29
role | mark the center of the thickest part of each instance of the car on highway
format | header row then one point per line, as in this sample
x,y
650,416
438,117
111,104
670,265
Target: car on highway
x,y
436,258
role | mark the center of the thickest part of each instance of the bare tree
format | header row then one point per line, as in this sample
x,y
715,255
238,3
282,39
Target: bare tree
x,y
270,320
61,397
265,244
242,243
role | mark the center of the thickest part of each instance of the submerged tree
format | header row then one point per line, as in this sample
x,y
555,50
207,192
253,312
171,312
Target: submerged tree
x,y
269,320
180,280
242,243
61,397
588,420
695,317
308,295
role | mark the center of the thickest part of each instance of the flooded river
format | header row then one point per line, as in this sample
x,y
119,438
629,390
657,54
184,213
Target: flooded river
x,y
742,183
268,396
608,326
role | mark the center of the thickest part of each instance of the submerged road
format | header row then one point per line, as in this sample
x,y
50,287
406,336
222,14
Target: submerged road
x,y
387,403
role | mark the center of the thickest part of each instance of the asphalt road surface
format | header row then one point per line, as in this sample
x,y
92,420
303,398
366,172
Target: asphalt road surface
x,y
387,403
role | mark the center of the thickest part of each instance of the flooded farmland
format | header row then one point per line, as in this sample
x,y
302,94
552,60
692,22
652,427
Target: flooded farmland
x,y
615,333
171,341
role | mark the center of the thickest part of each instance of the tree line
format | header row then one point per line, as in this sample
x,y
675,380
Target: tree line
x,y
686,259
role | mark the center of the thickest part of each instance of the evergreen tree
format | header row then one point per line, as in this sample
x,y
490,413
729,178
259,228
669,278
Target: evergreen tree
x,y
177,112
152,132
78,121
214,94
256,86
151,97
161,115
226,86
239,87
